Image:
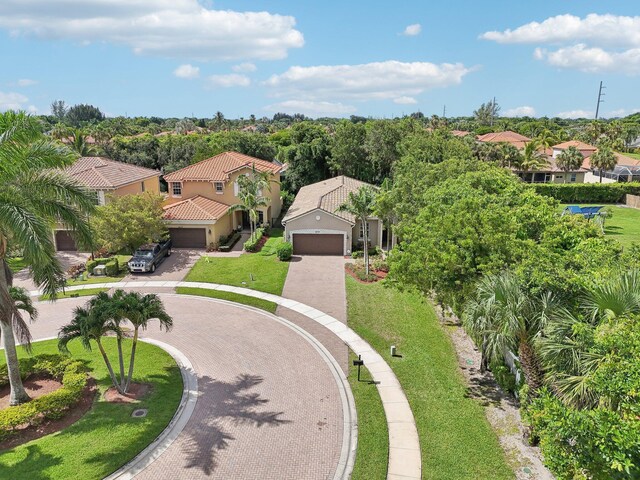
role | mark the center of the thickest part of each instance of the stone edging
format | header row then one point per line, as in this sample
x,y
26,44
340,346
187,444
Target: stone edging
x,y
404,444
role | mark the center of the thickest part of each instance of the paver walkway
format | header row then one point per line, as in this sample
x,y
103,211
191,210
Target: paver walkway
x,y
268,405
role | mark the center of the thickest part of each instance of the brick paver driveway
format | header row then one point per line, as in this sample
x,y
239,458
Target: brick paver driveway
x,y
268,405
174,267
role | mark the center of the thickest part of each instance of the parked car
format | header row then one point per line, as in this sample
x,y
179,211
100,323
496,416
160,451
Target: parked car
x,y
149,256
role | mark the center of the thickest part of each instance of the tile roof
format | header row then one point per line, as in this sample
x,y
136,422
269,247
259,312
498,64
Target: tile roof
x,y
459,133
327,195
575,143
505,137
218,168
105,174
195,208
623,161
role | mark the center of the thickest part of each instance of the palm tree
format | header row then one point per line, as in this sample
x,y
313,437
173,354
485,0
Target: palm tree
x,y
140,310
89,324
385,208
532,158
361,204
569,160
503,317
79,144
604,159
546,139
33,197
250,188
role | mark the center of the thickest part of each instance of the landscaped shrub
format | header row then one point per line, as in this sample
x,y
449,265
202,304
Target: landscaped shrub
x,y
112,264
588,192
380,264
50,406
75,271
253,245
504,377
359,272
226,243
284,251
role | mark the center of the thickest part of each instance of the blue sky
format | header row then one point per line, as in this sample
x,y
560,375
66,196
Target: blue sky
x,y
323,58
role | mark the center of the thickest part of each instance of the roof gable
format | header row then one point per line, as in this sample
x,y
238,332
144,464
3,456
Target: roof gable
x,y
104,173
195,208
219,167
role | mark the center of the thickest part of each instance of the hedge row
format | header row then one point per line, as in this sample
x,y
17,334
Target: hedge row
x,y
227,242
50,406
588,192
252,245
112,265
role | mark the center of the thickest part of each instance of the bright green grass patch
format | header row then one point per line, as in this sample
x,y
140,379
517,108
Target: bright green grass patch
x,y
259,271
232,297
76,293
456,439
373,435
624,225
633,155
89,279
107,436
16,264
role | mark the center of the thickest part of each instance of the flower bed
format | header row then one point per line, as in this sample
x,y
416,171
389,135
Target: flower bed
x,y
51,406
357,271
258,241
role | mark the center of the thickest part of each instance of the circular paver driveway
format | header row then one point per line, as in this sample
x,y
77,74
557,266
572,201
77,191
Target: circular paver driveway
x,y
268,404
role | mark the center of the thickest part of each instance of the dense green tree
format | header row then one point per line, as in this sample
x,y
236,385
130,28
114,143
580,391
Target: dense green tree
x,y
433,147
487,112
307,156
82,113
59,110
382,146
569,160
361,204
348,154
603,160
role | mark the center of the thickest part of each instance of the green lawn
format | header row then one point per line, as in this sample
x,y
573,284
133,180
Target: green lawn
x,y
16,264
456,439
373,436
107,436
122,260
633,155
232,297
260,271
624,226
77,293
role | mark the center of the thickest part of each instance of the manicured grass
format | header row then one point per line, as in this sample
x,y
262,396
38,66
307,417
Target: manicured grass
x,y
624,226
88,279
107,436
456,439
77,293
373,436
260,271
16,264
232,297
633,155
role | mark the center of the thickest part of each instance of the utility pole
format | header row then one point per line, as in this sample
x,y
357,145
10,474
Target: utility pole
x,y
444,112
600,100
493,110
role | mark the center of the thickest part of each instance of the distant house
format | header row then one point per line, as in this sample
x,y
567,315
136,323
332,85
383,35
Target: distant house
x,y
513,138
200,196
460,133
314,225
553,174
106,177
584,148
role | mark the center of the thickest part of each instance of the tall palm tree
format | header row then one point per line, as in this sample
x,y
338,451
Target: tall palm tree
x,y
604,159
569,160
546,139
88,324
250,194
503,317
361,204
140,310
532,158
33,197
80,145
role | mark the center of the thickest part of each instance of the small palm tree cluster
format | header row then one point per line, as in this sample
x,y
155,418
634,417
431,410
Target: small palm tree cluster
x,y
361,204
555,342
107,314
250,194
569,160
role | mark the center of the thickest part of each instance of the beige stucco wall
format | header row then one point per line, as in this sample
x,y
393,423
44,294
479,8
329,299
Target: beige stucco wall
x,y
555,179
214,230
310,224
150,185
374,231
207,190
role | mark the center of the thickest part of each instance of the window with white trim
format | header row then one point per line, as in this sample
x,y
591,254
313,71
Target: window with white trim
x,y
219,186
573,178
176,189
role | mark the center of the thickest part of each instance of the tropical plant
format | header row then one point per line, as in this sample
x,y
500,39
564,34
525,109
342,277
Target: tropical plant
x,y
361,204
79,143
604,159
569,160
546,139
250,189
385,208
532,158
34,196
503,317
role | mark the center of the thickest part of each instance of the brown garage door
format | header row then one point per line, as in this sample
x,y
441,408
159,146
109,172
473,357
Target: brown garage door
x,y
65,242
318,244
188,237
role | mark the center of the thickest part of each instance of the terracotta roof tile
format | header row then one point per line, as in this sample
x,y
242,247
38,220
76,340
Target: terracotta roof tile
x,y
218,168
103,173
575,143
195,208
507,136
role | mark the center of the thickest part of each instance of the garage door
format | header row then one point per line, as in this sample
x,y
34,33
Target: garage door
x,y
188,237
318,244
65,242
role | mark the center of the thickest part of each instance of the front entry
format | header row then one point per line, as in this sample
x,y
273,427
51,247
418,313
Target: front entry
x,y
246,222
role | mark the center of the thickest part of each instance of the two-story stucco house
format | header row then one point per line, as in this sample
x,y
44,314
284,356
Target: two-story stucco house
x,y
197,209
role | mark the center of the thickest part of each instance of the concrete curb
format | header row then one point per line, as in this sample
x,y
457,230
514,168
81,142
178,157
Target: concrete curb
x,y
405,461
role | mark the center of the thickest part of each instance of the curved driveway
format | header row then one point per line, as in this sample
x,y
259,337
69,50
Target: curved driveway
x,y
268,405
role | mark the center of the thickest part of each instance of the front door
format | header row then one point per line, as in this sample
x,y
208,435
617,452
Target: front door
x,y
246,223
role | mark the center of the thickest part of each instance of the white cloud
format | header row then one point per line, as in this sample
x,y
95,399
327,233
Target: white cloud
x,y
594,28
621,112
523,111
405,101
592,59
187,71
168,28
576,114
230,80
244,68
25,82
311,108
412,30
12,101
370,81
32,109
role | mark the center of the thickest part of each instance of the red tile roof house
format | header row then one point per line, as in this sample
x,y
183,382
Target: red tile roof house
x,y
513,138
200,196
107,178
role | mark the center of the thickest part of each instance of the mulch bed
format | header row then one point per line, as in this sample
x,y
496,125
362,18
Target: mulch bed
x,y
261,243
135,393
378,273
51,426
35,385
